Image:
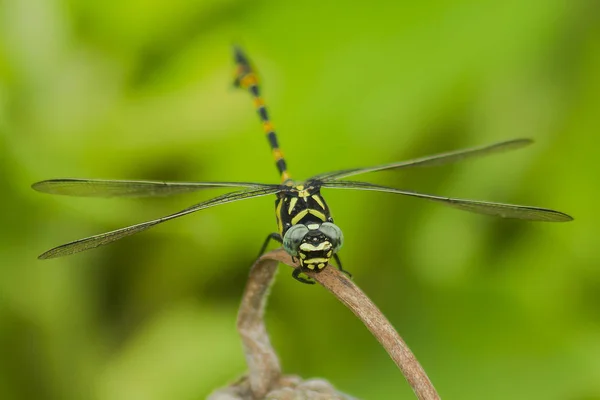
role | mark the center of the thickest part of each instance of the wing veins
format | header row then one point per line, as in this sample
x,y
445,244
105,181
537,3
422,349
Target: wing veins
x,y
130,188
109,237
428,161
480,207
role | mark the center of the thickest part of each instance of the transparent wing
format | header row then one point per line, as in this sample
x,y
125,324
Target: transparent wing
x,y
480,207
118,188
109,237
437,159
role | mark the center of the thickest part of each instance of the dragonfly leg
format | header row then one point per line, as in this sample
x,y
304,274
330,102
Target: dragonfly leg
x,y
339,265
272,236
296,276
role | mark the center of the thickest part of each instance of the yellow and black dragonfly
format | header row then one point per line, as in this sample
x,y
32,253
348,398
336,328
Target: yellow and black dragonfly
x,y
304,223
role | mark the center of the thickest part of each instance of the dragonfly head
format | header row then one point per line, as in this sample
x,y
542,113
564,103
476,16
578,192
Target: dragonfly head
x,y
313,244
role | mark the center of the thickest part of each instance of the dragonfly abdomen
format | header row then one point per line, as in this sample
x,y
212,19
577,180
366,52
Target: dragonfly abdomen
x,y
247,79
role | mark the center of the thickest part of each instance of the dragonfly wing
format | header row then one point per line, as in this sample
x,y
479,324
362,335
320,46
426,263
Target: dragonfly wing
x,y
109,237
428,161
480,207
120,188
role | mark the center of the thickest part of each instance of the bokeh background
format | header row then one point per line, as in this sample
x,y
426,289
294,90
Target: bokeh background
x,y
493,309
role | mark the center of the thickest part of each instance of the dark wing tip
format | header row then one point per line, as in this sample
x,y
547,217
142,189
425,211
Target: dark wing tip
x,y
562,217
37,186
517,143
46,185
525,141
46,255
548,215
60,251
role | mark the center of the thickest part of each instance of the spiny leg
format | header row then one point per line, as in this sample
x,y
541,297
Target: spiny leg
x,y
339,265
272,236
297,271
296,276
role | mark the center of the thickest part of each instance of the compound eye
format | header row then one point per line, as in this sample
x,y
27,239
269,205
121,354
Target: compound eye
x,y
334,233
293,237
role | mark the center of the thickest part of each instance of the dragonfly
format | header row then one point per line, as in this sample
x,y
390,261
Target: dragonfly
x,y
305,227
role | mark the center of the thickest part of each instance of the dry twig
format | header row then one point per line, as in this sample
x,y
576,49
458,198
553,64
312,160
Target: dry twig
x,y
264,374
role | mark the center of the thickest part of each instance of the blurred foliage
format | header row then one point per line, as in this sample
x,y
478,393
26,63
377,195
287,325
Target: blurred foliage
x,y
494,309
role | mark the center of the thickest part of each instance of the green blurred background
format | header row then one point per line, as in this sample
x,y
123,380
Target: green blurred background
x,y
493,309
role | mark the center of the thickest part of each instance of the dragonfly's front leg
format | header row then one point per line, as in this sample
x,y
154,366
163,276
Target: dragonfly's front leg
x,y
339,265
296,276
272,236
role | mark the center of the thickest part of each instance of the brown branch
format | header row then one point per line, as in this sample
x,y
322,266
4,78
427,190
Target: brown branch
x,y
264,368
263,364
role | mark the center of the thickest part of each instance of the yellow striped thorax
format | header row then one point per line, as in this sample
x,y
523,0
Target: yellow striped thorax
x,y
306,226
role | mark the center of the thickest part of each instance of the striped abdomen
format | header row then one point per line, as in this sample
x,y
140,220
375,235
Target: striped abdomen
x,y
246,79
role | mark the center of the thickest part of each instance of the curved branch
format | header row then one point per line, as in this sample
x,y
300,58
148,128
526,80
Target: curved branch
x,y
264,369
263,364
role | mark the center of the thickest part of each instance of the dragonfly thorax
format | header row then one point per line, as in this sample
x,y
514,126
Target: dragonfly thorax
x,y
301,204
306,226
